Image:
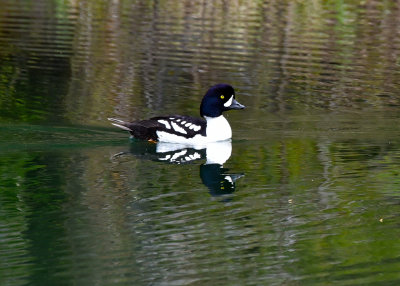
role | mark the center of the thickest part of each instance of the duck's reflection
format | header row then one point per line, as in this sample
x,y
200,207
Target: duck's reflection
x,y
217,179
214,176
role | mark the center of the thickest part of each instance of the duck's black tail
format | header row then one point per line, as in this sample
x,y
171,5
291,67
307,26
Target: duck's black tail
x,y
120,124
144,129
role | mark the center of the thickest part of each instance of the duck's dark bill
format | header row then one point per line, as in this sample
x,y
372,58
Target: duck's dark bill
x,y
236,105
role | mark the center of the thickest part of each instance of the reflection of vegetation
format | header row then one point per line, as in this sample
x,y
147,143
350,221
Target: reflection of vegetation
x,y
302,200
144,57
25,200
34,70
32,100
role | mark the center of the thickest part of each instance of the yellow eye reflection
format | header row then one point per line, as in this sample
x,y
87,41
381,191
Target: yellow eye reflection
x,y
222,97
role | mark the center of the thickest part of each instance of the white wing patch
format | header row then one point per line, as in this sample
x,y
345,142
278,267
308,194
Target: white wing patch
x,y
182,126
189,125
164,136
229,102
166,123
195,127
177,128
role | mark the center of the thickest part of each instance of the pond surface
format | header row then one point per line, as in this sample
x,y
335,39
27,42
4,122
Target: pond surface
x,y
307,192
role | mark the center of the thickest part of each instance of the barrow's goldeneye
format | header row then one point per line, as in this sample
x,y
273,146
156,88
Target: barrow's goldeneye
x,y
186,129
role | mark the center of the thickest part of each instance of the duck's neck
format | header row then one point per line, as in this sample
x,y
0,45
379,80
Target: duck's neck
x,y
218,129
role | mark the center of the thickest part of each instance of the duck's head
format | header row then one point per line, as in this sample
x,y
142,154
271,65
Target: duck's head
x,y
219,98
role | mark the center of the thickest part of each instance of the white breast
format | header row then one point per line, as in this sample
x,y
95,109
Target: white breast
x,y
218,129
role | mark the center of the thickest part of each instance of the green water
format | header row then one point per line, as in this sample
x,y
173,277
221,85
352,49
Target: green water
x,y
307,192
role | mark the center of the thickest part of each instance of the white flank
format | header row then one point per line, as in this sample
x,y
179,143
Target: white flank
x,y
166,123
229,102
218,129
193,127
188,124
164,136
177,128
183,122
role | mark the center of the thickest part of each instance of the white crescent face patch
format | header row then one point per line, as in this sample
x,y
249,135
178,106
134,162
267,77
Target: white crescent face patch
x,y
229,102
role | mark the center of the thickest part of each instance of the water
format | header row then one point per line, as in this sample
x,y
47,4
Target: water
x,y
307,193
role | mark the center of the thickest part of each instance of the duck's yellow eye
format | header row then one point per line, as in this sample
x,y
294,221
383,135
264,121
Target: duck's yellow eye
x,y
222,97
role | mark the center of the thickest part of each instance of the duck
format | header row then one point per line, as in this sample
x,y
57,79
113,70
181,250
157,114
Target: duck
x,y
183,129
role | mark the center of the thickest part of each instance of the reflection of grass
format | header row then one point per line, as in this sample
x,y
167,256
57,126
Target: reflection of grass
x,y
161,58
13,169
302,201
41,137
13,212
33,99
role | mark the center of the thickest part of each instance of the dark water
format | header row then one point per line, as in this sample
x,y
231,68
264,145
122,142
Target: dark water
x,y
307,193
